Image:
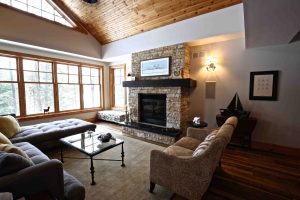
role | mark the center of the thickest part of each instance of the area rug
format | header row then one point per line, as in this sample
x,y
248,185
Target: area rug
x,y
112,181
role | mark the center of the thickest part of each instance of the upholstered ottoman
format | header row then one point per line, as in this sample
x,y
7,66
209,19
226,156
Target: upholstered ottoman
x,y
111,116
44,132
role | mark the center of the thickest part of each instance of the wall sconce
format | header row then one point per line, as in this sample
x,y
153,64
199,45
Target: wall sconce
x,y
210,64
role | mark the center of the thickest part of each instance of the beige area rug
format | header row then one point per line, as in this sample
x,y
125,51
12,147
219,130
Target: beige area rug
x,y
112,181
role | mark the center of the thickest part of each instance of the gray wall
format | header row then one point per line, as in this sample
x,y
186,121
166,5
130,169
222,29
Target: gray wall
x,y
20,27
278,121
271,22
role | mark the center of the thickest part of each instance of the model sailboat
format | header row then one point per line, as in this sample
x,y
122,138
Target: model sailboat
x,y
235,108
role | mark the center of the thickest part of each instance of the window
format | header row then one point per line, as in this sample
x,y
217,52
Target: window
x,y
38,86
118,92
9,89
68,87
42,8
39,82
91,87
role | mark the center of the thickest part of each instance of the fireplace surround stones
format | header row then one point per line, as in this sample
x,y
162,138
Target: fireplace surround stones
x,y
177,98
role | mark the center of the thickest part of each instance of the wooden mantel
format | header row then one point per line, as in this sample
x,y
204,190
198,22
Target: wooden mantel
x,y
186,82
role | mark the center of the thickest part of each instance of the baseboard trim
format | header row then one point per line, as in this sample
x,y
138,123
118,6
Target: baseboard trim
x,y
274,148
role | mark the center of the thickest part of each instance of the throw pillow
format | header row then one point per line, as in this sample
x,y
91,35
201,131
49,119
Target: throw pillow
x,y
211,136
4,139
9,148
204,145
11,163
9,126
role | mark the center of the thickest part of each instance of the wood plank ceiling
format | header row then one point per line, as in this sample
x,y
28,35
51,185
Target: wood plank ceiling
x,y
112,20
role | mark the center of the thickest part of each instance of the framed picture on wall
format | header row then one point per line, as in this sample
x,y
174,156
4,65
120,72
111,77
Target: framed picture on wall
x,y
156,67
263,85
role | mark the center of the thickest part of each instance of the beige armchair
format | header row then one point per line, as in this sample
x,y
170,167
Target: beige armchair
x,y
187,166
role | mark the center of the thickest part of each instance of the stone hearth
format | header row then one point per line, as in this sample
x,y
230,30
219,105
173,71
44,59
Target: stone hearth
x,y
177,98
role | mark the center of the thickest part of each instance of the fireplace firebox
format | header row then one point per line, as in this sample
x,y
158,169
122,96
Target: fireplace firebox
x,y
152,109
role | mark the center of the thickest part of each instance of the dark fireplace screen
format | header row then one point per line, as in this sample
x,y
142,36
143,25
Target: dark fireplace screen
x,y
152,109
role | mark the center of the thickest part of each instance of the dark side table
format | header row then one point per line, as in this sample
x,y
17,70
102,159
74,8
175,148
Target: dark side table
x,y
202,124
242,133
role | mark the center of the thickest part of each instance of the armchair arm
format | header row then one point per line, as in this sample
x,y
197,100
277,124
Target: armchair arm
x,y
46,176
168,167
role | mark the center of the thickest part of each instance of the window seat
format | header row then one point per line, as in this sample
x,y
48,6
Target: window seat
x,y
115,116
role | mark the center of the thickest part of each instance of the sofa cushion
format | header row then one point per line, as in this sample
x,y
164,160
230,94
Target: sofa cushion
x,y
33,153
11,162
73,188
204,145
10,148
178,151
9,126
52,130
188,143
4,139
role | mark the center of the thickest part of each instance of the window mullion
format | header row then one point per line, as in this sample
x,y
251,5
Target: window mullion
x,y
21,85
112,87
81,88
55,87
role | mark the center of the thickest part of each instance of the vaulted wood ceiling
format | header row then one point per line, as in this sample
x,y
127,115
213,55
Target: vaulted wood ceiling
x,y
111,20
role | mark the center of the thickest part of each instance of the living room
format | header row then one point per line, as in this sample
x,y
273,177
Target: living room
x,y
85,68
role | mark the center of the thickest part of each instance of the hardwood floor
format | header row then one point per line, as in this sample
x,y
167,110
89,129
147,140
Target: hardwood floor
x,y
252,174
249,174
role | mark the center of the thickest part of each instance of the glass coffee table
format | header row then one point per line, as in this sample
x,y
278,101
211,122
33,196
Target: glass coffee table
x,y
89,144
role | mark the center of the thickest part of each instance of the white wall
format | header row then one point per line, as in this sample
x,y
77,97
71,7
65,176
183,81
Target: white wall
x,y
19,27
34,50
225,21
278,121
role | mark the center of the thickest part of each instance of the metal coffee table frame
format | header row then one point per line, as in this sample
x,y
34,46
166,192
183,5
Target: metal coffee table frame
x,y
91,155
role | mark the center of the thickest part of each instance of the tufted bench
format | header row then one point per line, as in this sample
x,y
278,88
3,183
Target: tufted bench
x,y
111,116
55,130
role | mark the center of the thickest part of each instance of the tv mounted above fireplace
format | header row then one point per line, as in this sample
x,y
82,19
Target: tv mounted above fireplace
x,y
152,109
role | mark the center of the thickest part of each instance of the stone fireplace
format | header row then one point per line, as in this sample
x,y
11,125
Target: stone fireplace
x,y
160,103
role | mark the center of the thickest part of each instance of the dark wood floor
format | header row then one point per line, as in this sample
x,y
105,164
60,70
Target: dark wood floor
x,y
252,174
257,175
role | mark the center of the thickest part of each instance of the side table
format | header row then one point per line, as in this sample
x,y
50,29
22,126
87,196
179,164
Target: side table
x,y
242,133
202,124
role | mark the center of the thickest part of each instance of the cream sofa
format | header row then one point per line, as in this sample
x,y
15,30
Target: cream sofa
x,y
187,167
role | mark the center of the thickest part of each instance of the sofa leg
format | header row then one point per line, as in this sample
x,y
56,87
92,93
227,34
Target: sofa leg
x,y
152,186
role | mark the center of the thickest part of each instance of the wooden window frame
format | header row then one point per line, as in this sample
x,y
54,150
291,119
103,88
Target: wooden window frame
x,y
100,83
66,83
21,85
17,74
111,86
76,22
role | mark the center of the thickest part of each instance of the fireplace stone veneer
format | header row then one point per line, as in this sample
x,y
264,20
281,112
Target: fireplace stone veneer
x,y
177,98
177,111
